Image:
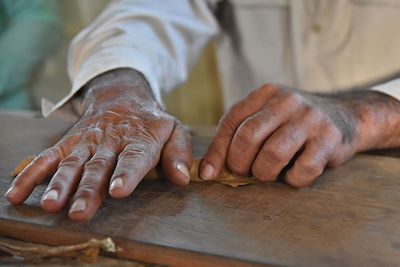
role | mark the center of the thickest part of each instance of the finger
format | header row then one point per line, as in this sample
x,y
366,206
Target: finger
x,y
64,181
214,160
253,132
134,162
310,163
43,166
278,150
177,156
93,185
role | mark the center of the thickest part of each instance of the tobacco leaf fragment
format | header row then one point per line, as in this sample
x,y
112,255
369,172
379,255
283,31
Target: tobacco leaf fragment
x,y
225,177
87,252
21,166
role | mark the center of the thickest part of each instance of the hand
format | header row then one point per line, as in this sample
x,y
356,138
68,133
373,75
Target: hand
x,y
275,127
121,136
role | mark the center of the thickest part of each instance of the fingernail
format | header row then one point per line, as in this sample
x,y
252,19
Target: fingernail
x,y
183,169
78,206
116,183
207,172
51,195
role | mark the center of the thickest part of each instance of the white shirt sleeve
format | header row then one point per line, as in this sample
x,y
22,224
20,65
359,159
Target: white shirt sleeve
x,y
391,88
161,39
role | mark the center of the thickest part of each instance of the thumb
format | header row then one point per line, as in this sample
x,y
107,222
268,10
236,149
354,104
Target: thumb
x,y
177,156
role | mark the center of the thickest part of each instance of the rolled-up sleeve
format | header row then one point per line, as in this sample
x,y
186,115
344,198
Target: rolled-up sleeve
x,y
161,39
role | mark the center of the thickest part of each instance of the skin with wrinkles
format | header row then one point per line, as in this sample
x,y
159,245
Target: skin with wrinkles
x,y
121,136
276,128
123,133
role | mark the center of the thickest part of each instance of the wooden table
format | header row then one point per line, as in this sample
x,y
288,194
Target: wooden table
x,y
350,217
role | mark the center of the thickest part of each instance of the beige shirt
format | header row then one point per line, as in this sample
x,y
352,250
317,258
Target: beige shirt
x,y
315,45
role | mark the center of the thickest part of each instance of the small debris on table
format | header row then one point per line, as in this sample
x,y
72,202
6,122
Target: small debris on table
x,y
87,252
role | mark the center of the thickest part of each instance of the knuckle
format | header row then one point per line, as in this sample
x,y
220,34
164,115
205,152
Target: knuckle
x,y
293,99
71,160
49,153
269,87
38,165
325,147
177,149
94,135
245,134
236,166
272,155
262,173
227,123
288,131
313,114
88,149
180,142
236,107
182,131
311,168
89,191
60,179
332,132
146,139
134,151
60,182
170,153
98,162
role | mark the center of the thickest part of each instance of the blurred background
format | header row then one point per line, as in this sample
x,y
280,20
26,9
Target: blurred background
x,y
34,40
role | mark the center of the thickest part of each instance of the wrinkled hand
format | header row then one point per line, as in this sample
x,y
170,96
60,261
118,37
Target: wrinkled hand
x,y
121,136
275,127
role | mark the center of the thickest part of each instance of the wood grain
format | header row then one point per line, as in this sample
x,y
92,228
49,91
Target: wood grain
x,y
350,217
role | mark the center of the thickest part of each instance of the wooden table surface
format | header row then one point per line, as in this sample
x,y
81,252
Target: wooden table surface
x,y
350,217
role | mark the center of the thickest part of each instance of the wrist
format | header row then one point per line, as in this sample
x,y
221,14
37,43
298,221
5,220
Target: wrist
x,y
378,117
113,86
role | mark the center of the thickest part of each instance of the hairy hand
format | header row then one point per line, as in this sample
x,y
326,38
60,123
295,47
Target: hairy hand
x,y
276,128
121,136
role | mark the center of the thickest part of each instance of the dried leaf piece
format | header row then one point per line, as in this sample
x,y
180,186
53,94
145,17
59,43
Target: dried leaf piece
x,y
90,255
225,177
86,252
21,166
109,246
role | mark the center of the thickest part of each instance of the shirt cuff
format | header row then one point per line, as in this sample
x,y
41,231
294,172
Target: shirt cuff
x,y
99,64
391,88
